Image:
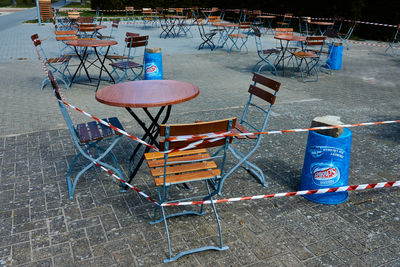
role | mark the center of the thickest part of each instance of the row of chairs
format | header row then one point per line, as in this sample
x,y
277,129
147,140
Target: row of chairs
x,y
193,166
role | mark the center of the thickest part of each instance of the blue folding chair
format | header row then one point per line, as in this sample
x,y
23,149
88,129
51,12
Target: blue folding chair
x,y
86,137
59,65
130,13
131,65
394,44
190,166
250,123
264,54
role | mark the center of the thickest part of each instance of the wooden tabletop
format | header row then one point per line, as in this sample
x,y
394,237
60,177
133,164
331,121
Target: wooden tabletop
x,y
322,23
225,24
91,43
266,17
288,37
176,17
147,93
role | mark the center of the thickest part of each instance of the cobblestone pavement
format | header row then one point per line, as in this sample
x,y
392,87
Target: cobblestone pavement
x,y
40,226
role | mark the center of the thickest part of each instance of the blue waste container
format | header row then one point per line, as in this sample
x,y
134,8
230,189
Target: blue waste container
x,y
335,59
153,69
326,164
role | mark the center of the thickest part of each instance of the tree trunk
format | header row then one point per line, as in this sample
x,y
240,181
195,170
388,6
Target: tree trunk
x,y
14,2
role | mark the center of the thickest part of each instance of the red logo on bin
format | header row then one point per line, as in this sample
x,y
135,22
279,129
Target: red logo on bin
x,y
325,173
152,68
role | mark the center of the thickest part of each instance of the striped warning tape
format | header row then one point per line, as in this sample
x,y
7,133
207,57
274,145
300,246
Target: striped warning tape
x,y
276,195
225,134
288,194
125,183
212,137
372,44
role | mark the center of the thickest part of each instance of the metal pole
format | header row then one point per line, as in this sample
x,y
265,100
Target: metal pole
x,y
38,12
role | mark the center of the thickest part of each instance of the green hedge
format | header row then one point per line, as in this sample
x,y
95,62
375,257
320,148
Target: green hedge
x,y
383,11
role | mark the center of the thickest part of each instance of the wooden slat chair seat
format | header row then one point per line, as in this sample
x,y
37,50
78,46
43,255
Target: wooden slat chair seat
x,y
59,65
92,131
264,89
135,42
87,137
189,166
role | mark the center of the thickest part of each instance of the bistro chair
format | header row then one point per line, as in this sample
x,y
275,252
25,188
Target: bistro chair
x,y
264,54
308,60
285,23
134,64
86,137
206,37
130,13
167,26
304,26
264,89
59,65
392,45
112,35
241,35
193,166
64,36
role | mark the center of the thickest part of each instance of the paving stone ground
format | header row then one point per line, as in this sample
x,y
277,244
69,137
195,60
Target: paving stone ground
x,y
40,226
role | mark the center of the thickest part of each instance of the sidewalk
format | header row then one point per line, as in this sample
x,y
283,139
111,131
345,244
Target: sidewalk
x,y
39,226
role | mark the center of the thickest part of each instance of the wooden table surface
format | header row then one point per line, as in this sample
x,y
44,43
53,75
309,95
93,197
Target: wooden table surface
x,y
322,23
91,43
147,93
288,37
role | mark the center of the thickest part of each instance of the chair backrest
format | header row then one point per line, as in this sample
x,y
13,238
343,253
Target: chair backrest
x,y
66,35
200,24
133,41
115,23
287,17
265,89
170,130
63,109
74,14
214,9
39,48
146,11
214,19
315,40
160,10
257,12
179,11
283,31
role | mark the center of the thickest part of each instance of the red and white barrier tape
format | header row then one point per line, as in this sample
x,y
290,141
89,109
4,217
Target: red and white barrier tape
x,y
371,44
288,194
216,135
212,137
125,183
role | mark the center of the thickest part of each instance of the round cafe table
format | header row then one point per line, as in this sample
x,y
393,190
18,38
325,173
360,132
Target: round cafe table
x,y
321,24
83,56
284,46
147,94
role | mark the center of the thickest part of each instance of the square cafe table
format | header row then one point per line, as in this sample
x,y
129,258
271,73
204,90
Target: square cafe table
x,y
161,94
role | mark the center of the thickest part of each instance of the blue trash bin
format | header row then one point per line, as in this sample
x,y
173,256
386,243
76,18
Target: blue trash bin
x,y
153,69
326,164
335,59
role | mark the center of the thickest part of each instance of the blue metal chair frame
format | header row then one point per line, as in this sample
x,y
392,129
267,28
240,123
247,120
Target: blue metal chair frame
x,y
130,13
264,54
396,41
308,60
245,121
129,64
198,156
52,63
242,34
206,37
92,143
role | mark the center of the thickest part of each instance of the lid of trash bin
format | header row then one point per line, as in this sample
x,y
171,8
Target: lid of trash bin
x,y
153,50
338,44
